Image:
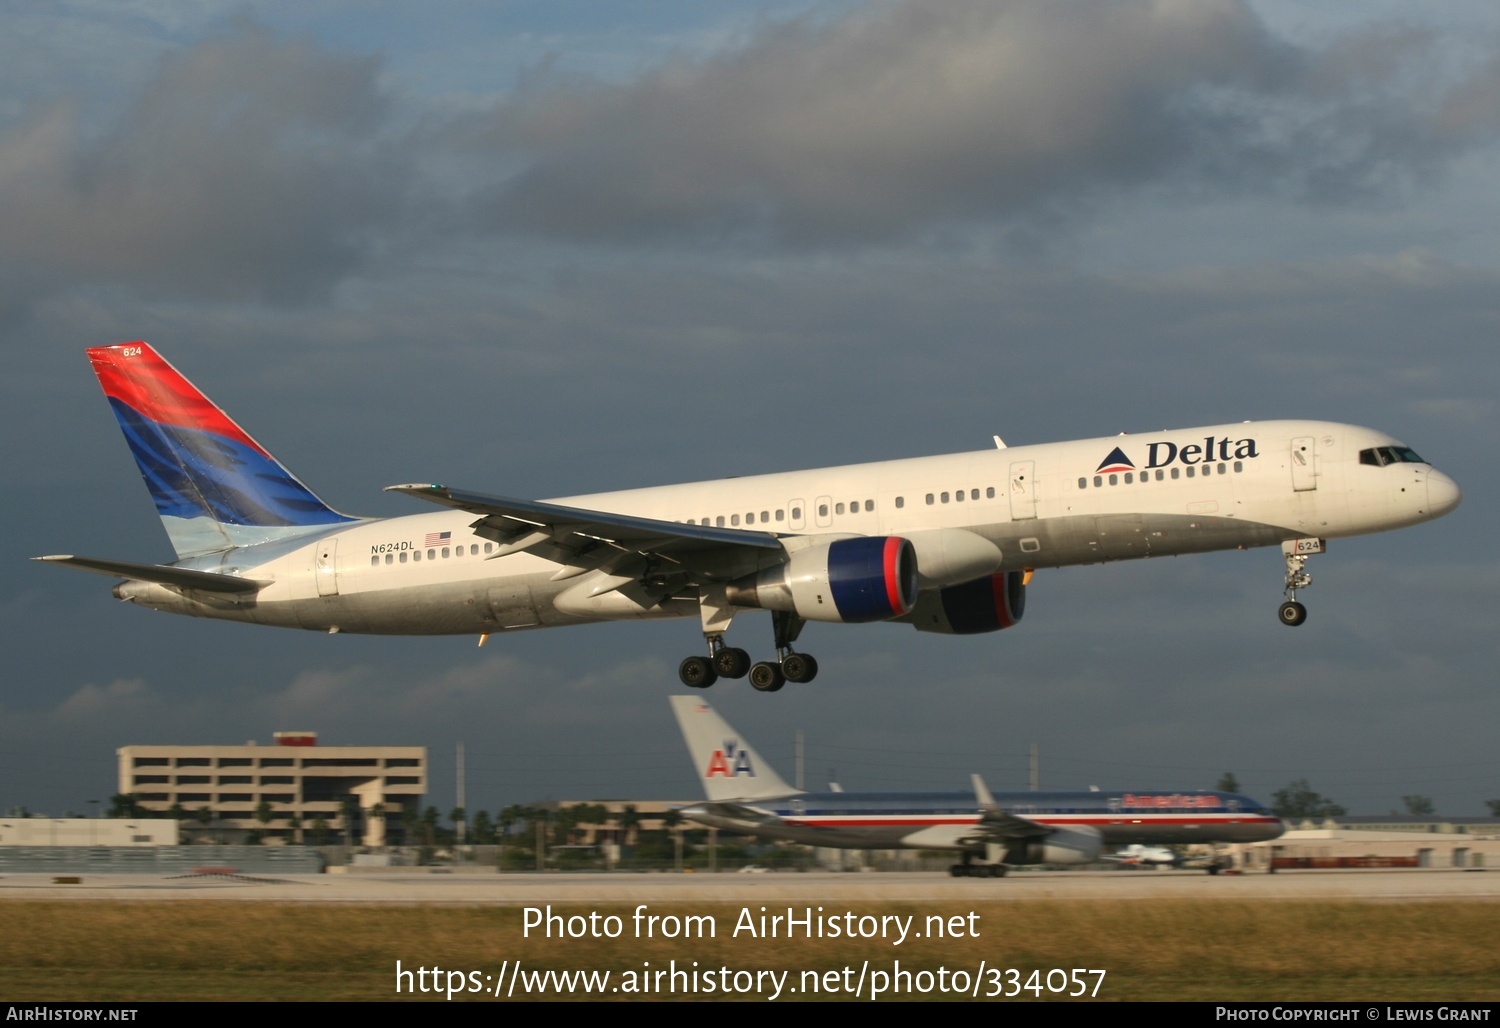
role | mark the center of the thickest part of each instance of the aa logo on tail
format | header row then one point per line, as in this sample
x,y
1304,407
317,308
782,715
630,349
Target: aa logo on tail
x,y
729,762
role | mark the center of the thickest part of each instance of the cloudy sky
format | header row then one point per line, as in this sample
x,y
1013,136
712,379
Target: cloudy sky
x,y
547,248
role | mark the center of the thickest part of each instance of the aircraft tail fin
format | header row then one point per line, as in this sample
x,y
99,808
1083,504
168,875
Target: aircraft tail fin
x,y
727,767
214,486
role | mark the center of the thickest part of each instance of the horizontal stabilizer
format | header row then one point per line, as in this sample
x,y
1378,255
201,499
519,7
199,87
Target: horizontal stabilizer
x,y
161,574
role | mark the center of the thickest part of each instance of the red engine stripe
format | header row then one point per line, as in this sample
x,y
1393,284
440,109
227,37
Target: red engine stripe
x,y
892,564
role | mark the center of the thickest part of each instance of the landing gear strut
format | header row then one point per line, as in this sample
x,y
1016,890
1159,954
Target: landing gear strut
x,y
1296,551
731,662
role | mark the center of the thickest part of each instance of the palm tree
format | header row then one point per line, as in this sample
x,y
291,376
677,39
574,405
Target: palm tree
x,y
672,821
630,819
263,812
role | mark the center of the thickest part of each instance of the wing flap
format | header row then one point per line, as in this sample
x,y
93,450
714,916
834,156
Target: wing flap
x,y
182,578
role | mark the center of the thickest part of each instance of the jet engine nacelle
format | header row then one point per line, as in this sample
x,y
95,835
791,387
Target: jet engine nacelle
x,y
1081,845
986,604
952,556
855,580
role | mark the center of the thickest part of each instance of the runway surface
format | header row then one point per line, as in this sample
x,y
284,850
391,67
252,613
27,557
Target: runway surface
x,y
490,889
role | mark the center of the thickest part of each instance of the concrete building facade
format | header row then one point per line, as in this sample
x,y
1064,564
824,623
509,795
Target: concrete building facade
x,y
298,783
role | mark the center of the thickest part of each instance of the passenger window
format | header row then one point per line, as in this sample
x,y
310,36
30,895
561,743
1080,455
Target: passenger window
x,y
900,502
389,558
445,553
989,493
402,558
869,506
765,517
1190,471
929,499
945,497
1098,480
1114,479
973,494
958,497
780,514
734,519
796,513
719,521
1159,475
1239,466
374,560
490,547
1129,478
1223,468
822,510
1174,472
473,549
838,508
416,555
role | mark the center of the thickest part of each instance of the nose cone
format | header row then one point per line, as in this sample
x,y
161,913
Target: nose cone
x,y
1443,494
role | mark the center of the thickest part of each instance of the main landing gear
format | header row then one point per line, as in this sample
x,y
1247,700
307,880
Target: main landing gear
x,y
968,869
1297,551
732,662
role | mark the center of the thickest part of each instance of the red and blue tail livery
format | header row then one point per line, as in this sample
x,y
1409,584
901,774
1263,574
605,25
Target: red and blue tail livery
x,y
214,486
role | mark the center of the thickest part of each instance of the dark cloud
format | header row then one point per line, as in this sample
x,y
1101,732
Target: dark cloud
x,y
902,117
248,167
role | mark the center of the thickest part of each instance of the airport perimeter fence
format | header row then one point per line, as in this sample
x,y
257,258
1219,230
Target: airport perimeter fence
x,y
160,860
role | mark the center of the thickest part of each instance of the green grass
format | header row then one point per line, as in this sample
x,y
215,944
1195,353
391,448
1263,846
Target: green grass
x,y
1169,950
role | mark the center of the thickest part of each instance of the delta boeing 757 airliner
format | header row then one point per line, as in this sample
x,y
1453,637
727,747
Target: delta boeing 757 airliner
x,y
945,544
990,832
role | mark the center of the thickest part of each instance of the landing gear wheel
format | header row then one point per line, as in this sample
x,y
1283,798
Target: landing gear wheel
x,y
799,667
731,662
767,677
1292,613
958,871
697,673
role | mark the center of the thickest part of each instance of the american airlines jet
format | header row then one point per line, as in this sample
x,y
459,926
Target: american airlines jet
x,y
990,832
945,544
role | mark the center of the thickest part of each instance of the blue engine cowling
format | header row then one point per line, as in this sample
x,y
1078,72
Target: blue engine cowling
x,y
865,578
986,604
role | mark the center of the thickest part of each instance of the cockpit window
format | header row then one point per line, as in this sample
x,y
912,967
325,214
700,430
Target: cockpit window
x,y
1380,456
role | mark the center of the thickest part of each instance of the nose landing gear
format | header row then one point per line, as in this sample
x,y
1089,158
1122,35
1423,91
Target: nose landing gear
x,y
1296,551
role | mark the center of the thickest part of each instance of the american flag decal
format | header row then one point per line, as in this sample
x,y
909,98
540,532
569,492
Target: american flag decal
x,y
438,538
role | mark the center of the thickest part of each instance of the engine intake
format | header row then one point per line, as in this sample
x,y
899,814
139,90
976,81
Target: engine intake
x,y
986,604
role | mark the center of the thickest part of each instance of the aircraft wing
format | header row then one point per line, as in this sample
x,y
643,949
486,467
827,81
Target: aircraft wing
x,y
562,533
161,574
999,826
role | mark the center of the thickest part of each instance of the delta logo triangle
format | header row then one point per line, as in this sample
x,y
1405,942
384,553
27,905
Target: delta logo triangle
x,y
1116,461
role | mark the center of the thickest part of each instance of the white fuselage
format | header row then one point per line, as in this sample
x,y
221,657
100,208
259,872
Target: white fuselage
x,y
1048,505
